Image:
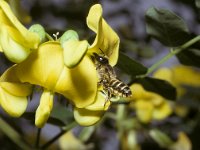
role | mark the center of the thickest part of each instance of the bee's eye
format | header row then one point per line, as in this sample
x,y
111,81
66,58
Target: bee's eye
x,y
101,59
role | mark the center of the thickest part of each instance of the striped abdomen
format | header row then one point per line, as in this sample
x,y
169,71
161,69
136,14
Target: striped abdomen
x,y
118,88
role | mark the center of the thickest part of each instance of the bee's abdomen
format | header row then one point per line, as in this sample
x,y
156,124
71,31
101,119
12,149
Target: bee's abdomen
x,y
120,88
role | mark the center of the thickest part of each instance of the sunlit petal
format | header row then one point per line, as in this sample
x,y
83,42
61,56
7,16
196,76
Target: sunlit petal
x,y
93,113
74,51
106,39
44,109
13,105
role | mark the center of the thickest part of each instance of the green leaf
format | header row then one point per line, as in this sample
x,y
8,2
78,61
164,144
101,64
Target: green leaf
x,y
159,86
54,121
130,66
62,113
166,27
190,57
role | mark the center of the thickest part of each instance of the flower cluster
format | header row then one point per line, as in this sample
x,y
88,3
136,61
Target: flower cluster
x,y
152,106
61,66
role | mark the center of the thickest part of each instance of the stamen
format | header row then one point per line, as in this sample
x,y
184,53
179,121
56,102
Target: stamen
x,y
56,36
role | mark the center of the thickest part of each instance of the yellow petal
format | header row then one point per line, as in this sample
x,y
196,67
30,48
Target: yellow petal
x,y
13,51
13,105
43,67
144,110
106,39
186,76
1,50
183,143
92,114
162,111
74,51
17,89
141,93
164,73
15,29
79,84
10,83
44,109
72,144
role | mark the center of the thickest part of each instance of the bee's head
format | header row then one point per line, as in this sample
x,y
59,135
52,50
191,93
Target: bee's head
x,y
102,60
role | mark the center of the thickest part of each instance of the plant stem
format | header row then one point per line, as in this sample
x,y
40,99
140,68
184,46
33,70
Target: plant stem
x,y
13,135
63,131
121,114
49,37
37,142
171,54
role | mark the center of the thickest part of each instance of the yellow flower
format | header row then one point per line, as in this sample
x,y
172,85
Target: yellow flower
x,y
75,50
75,78
15,40
149,106
178,76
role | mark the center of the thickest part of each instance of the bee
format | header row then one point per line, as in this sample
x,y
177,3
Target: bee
x,y
112,86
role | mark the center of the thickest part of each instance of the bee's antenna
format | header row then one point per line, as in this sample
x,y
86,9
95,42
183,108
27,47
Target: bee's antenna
x,y
102,51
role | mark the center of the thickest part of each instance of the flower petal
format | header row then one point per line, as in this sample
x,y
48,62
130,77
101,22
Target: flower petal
x,y
79,84
162,111
106,39
10,83
13,51
144,110
186,76
43,67
92,114
13,105
74,51
15,29
44,109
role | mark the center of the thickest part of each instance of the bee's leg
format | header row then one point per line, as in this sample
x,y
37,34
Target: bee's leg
x,y
109,94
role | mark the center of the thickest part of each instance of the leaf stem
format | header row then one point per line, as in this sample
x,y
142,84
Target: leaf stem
x,y
13,135
171,54
63,131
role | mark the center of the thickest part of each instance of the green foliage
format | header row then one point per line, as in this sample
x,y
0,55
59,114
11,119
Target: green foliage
x,y
159,86
190,57
130,66
166,27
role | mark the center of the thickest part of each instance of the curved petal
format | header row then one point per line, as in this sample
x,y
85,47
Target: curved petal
x,y
13,51
79,84
10,83
44,109
15,29
144,110
73,143
162,111
74,51
13,105
43,67
186,75
106,39
92,114
164,73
